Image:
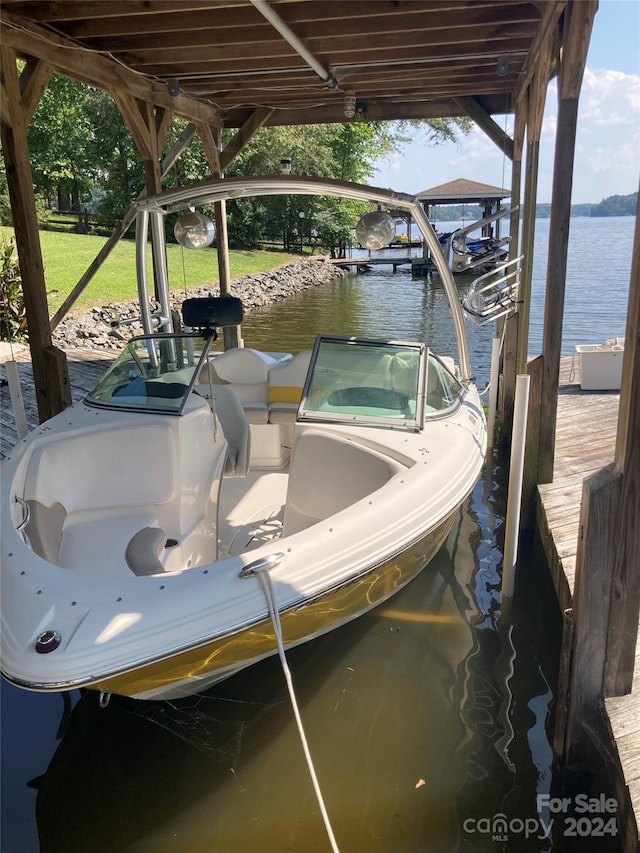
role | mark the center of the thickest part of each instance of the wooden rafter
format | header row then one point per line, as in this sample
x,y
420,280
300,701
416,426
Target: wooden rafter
x,y
227,59
93,68
484,121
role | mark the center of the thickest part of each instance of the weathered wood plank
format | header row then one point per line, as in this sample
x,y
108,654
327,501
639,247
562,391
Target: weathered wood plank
x,y
592,598
585,443
86,366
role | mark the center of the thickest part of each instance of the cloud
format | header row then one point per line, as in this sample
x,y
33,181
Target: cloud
x,y
610,98
607,156
608,136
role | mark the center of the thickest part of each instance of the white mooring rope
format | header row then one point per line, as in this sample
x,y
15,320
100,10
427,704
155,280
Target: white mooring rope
x,y
265,582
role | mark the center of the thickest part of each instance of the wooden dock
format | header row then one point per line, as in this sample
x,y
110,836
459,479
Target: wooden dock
x,y
86,366
585,442
363,264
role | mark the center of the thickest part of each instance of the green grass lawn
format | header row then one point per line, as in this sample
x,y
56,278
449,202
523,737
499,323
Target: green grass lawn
x,y
66,257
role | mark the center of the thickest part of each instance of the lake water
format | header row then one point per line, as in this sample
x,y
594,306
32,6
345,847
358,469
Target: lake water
x,y
427,719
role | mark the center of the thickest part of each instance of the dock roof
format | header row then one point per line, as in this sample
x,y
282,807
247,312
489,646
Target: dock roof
x,y
462,190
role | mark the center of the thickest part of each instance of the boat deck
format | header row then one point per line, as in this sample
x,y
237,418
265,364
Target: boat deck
x,y
585,442
252,497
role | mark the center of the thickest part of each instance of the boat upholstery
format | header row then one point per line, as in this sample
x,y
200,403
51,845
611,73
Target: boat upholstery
x,y
154,471
286,382
247,372
235,427
144,551
329,473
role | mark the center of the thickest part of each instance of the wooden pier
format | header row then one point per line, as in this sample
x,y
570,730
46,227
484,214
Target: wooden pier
x,y
362,264
86,366
585,441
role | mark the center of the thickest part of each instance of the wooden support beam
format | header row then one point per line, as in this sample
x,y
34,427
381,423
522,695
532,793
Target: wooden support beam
x,y
506,396
551,14
518,330
625,600
33,81
253,124
535,116
5,112
211,144
529,484
211,148
577,24
96,69
519,131
591,600
51,378
148,125
484,121
256,121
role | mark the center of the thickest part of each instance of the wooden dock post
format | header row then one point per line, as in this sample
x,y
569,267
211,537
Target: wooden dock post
x,y
49,363
606,600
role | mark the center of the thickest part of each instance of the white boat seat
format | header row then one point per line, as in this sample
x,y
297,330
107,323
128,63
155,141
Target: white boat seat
x,y
143,551
235,427
44,529
247,372
286,382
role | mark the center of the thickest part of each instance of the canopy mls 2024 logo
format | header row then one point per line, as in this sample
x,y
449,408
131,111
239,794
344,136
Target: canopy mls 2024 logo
x,y
570,817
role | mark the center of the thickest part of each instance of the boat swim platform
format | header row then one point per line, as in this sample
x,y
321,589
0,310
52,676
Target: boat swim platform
x,y
585,441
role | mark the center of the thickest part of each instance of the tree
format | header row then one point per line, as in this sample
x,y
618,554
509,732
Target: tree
x,y
616,205
346,152
119,173
83,154
59,136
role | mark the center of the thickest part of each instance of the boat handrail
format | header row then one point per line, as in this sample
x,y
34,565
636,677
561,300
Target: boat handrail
x,y
151,211
27,513
496,298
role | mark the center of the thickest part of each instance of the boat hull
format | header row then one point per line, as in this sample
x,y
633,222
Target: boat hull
x,y
196,669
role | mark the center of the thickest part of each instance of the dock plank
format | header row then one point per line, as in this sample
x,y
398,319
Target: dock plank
x,y
585,443
86,366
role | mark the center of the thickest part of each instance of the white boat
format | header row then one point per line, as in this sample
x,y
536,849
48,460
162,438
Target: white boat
x,y
467,254
138,527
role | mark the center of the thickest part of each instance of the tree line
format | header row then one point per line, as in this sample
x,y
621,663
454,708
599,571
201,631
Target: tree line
x,y
84,162
615,205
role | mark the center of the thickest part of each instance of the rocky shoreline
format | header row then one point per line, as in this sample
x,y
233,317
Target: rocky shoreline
x,y
91,329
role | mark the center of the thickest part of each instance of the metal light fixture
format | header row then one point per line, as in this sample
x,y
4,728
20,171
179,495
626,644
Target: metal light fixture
x,y
376,230
173,85
502,66
285,165
194,231
349,104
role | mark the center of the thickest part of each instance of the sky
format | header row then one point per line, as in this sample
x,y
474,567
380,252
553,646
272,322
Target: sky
x,y
607,158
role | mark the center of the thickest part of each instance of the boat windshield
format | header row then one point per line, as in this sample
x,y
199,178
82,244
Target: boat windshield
x,y
154,373
356,380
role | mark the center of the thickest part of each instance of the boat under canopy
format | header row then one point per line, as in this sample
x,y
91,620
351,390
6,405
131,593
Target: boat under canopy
x,y
137,524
